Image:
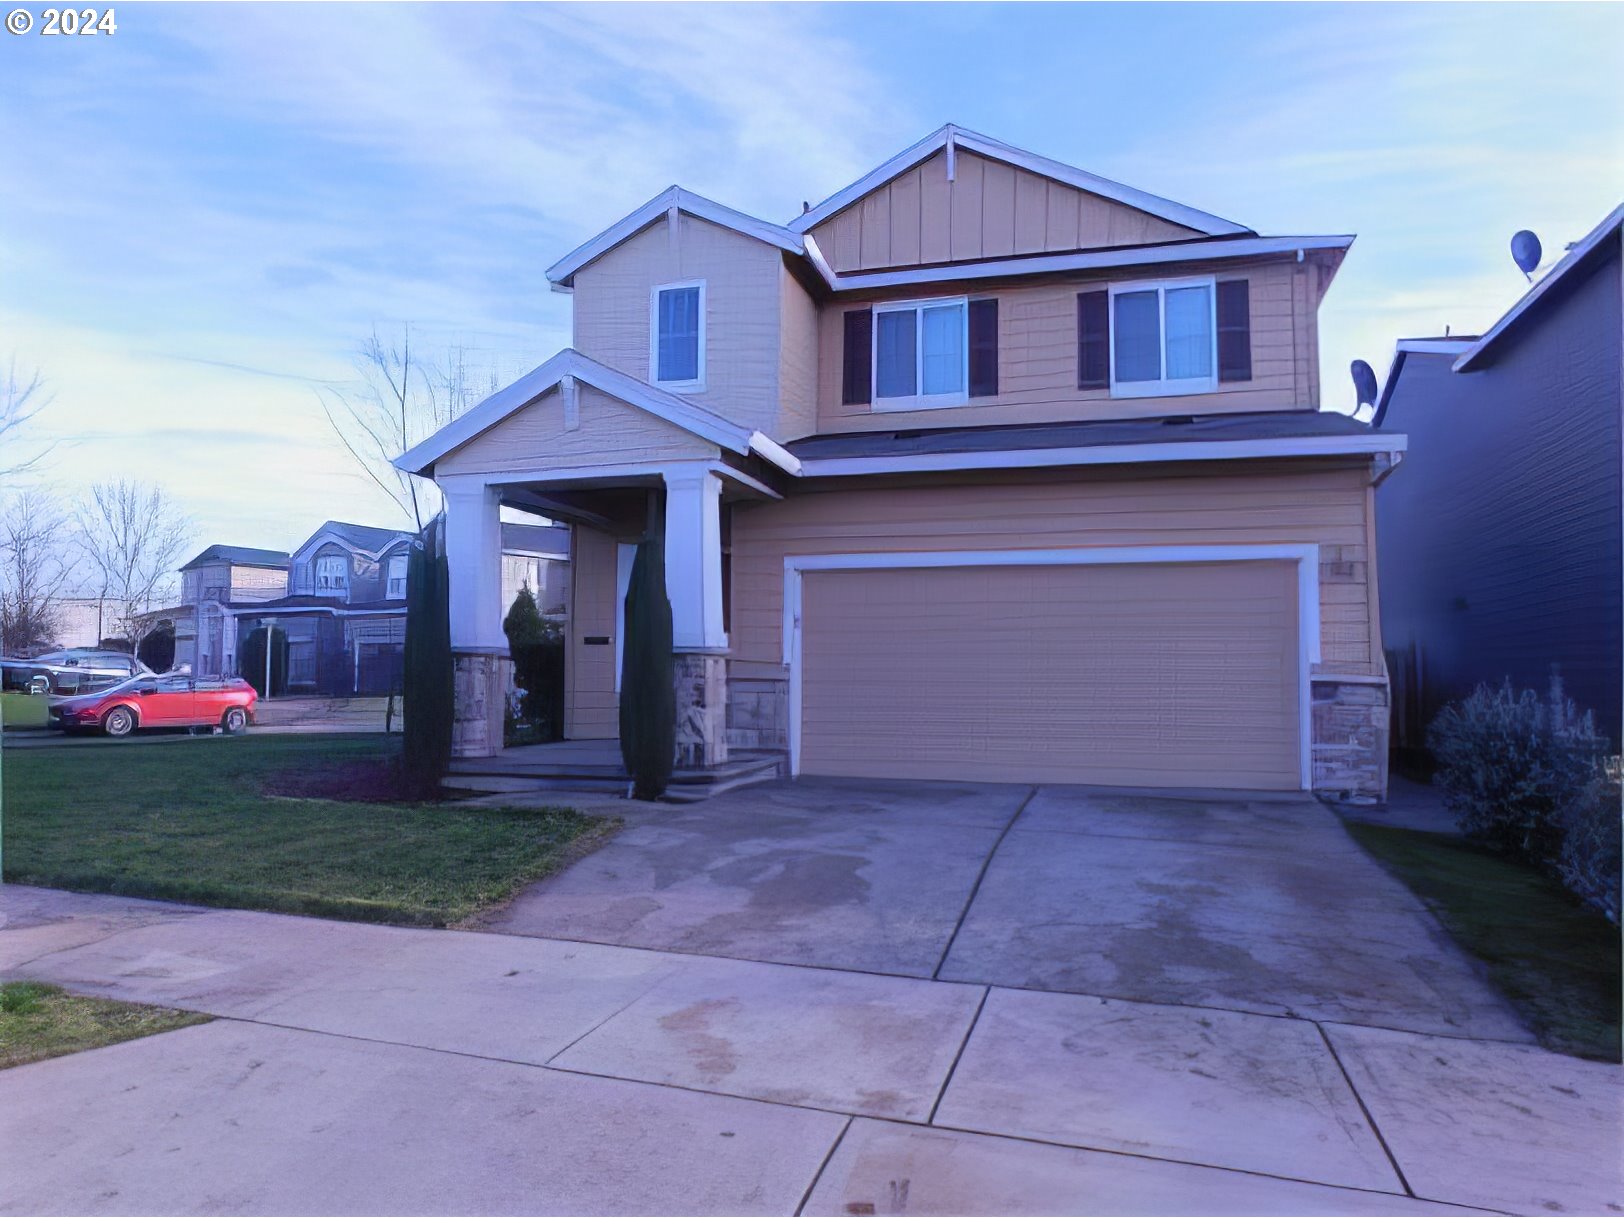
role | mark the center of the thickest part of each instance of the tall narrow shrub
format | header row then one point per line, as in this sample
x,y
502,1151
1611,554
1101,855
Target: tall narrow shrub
x,y
648,704
428,682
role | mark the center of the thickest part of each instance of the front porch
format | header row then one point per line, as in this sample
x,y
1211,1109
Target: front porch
x,y
594,765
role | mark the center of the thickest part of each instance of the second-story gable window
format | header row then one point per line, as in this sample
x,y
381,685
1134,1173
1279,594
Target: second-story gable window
x,y
397,577
332,575
921,354
677,336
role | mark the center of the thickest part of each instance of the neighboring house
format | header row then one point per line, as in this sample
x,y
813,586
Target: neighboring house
x,y
82,621
209,584
985,468
1501,537
537,556
344,617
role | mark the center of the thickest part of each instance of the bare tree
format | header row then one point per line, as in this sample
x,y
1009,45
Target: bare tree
x,y
403,398
22,397
34,566
133,537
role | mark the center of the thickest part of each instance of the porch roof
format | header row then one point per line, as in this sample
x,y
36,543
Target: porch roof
x,y
570,365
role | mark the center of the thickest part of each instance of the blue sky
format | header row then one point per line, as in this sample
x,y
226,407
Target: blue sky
x,y
202,216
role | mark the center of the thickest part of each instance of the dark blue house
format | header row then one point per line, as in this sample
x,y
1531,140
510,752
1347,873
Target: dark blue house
x,y
1500,533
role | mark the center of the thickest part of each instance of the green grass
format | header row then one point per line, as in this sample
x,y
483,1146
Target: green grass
x,y
188,822
23,710
39,1021
1557,962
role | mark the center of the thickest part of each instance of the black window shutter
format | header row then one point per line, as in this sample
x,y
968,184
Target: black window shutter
x,y
1234,330
983,348
859,358
1093,340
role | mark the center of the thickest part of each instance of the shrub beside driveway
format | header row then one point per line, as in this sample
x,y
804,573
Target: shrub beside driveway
x,y
197,824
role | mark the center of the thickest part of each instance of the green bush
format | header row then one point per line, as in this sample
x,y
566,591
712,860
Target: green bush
x,y
1591,856
1511,764
537,647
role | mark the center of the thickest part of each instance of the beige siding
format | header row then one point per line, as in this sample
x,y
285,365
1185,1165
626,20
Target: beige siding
x,y
1138,675
797,361
610,432
989,210
1055,509
591,708
742,303
1037,357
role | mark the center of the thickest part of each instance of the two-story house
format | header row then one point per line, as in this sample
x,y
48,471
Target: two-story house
x,y
984,468
217,578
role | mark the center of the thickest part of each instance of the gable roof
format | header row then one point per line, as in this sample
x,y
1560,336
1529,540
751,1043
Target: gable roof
x,y
562,272
951,136
364,537
1547,289
569,362
239,556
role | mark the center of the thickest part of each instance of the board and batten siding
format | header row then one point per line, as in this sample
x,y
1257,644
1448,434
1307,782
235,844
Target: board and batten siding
x,y
743,302
1037,354
610,432
1255,504
989,210
591,706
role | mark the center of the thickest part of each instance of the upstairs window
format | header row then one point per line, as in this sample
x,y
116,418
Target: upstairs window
x,y
1164,338
677,336
332,575
921,354
397,578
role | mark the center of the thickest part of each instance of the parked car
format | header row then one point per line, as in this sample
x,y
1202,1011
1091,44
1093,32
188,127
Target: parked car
x,y
171,700
70,671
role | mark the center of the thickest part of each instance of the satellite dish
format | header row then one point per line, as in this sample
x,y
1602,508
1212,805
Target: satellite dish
x,y
1525,251
1364,383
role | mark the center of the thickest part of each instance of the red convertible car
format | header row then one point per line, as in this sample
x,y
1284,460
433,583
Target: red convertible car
x,y
171,700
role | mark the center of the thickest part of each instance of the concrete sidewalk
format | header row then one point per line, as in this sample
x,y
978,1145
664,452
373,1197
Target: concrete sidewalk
x,y
364,1069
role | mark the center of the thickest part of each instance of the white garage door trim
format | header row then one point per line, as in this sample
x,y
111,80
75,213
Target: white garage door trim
x,y
1306,556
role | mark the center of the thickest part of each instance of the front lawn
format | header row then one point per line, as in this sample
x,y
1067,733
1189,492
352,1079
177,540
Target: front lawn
x,y
194,823
1557,962
39,1021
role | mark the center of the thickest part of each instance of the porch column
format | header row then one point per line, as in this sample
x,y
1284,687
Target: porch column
x,y
693,579
479,650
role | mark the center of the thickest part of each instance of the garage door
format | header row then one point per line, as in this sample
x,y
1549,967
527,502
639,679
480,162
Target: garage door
x,y
1154,674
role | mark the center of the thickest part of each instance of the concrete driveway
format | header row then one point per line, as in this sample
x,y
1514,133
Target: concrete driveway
x,y
1258,903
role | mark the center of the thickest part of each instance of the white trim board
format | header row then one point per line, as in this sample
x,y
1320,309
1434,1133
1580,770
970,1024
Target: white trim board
x,y
955,137
1305,555
669,199
1108,454
1088,260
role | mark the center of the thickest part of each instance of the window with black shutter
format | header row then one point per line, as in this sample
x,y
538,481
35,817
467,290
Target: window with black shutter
x,y
983,348
1094,340
1234,330
858,370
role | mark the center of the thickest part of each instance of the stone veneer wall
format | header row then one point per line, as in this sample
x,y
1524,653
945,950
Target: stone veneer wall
x,y
758,713
479,700
1350,734
702,708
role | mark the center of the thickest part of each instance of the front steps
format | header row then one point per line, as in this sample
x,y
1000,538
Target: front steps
x,y
506,774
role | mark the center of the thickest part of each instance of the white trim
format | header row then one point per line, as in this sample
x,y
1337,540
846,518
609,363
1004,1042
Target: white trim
x,y
686,414
697,383
919,399
1108,454
669,199
328,536
1305,555
951,136
770,450
814,255
1571,259
517,479
1088,260
1162,387
1433,346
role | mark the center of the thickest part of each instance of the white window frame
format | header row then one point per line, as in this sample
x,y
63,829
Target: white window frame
x,y
919,401
389,577
1162,387
697,384
315,572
